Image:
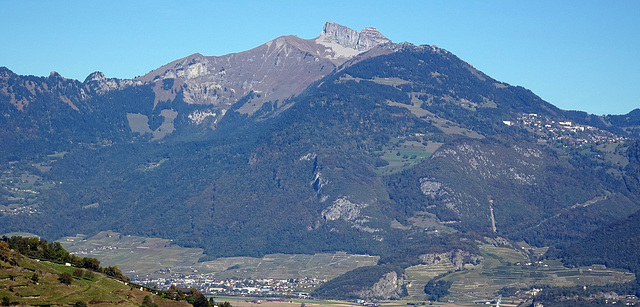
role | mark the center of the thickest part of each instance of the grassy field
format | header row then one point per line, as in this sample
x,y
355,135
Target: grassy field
x,y
506,267
384,81
17,283
143,256
402,154
419,275
446,126
133,255
323,266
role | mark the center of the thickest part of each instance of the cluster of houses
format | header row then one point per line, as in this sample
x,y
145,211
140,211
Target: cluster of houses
x,y
15,209
90,252
17,199
549,129
298,288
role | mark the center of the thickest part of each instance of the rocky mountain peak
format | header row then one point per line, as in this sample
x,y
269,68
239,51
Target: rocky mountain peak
x,y
362,41
98,83
54,74
340,34
6,72
95,76
371,37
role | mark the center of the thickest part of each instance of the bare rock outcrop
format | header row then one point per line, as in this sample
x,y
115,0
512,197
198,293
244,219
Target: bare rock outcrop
x,y
96,82
344,209
388,287
458,258
362,41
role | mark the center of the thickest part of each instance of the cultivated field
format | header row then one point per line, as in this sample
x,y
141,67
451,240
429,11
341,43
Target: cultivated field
x,y
505,267
283,266
144,256
501,266
133,255
402,154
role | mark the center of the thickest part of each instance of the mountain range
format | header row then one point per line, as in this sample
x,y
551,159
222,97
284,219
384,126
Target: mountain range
x,y
344,142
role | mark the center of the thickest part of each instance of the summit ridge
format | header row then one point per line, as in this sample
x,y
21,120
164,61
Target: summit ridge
x,y
362,41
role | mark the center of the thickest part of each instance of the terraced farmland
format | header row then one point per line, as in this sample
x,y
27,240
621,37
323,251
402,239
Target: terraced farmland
x,y
144,256
133,255
323,266
505,267
419,275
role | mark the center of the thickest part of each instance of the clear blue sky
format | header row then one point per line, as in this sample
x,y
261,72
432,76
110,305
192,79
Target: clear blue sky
x,y
580,55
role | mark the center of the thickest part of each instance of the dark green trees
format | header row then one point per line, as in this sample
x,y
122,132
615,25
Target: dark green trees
x,y
148,302
437,289
65,278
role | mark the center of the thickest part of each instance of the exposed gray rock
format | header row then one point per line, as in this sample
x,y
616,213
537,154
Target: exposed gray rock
x,y
365,40
431,188
342,208
274,71
96,82
371,37
458,258
475,158
498,241
340,34
388,287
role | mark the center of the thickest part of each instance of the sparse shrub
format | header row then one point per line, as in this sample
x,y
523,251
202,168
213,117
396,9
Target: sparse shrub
x,y
381,162
78,273
89,275
65,278
148,302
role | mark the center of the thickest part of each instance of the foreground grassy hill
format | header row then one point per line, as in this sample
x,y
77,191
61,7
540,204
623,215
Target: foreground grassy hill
x,y
24,281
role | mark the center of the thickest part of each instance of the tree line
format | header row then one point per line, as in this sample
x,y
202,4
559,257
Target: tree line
x,y
54,252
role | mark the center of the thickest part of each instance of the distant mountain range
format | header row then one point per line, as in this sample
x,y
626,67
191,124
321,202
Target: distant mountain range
x,y
345,142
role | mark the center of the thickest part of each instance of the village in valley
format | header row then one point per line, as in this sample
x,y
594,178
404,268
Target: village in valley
x,y
267,287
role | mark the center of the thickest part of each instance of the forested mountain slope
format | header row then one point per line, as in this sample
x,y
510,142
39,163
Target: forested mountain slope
x,y
393,148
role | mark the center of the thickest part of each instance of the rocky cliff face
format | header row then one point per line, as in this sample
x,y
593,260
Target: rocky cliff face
x,y
458,258
340,34
388,287
362,41
21,91
371,37
97,83
275,71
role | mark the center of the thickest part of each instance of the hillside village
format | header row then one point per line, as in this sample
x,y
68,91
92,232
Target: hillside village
x,y
563,131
